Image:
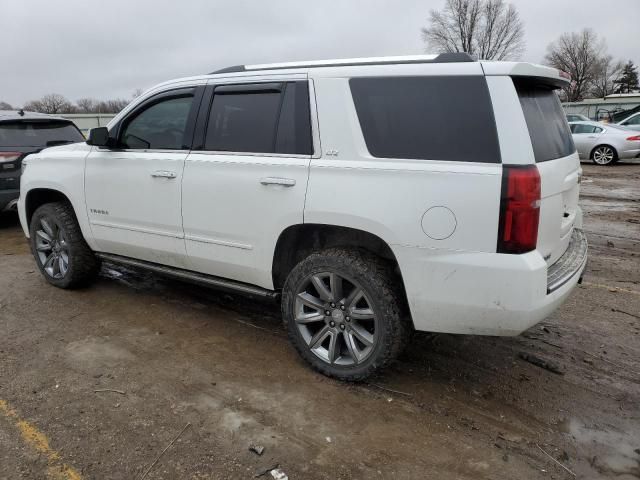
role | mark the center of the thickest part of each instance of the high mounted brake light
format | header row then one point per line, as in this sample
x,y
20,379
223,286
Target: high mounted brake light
x,y
519,209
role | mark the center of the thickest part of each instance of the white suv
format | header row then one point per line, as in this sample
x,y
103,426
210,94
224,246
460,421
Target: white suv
x,y
370,196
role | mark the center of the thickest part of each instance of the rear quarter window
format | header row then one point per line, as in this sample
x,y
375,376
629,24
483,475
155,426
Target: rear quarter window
x,y
428,118
548,129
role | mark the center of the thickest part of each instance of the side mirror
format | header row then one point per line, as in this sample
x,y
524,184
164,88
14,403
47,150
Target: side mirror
x,y
98,137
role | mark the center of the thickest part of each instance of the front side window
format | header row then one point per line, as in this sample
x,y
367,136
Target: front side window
x,y
275,119
427,118
159,126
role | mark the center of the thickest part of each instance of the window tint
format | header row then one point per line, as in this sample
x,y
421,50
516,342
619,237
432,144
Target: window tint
x,y
261,121
548,129
582,128
633,120
38,134
160,126
430,118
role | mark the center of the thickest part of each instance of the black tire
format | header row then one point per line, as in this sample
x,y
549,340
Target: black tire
x,y
602,160
382,289
82,264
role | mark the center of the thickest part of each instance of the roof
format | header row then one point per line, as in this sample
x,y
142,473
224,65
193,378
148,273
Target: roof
x,y
8,115
343,62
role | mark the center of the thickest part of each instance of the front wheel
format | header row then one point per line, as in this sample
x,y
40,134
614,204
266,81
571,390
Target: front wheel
x,y
343,312
61,253
604,155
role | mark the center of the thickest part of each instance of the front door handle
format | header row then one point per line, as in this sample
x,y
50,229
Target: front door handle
x,y
163,174
285,182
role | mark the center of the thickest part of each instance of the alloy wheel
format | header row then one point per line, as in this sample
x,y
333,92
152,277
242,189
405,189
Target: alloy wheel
x,y
336,319
52,248
603,155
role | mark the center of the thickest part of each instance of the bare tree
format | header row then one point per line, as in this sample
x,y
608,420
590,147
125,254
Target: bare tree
x,y
579,54
86,105
52,103
489,29
137,92
5,106
605,74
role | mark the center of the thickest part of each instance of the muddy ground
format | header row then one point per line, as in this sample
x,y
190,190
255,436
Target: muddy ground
x,y
453,407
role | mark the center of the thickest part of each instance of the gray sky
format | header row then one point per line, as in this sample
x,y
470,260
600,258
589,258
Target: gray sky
x,y
83,48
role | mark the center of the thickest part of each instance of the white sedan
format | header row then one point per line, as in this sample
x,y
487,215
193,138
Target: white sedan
x,y
603,143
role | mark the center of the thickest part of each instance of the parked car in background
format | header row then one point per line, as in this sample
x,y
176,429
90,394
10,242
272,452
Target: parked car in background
x,y
22,133
576,117
604,144
371,197
632,122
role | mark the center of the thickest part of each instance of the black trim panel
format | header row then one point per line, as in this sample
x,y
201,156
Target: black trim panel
x,y
192,277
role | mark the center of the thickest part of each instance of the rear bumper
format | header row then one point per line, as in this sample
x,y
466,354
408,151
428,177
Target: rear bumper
x,y
633,153
487,293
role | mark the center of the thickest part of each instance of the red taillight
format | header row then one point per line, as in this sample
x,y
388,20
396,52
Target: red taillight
x,y
634,138
519,209
9,156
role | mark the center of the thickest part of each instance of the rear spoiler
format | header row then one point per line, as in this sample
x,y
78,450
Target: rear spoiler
x,y
539,73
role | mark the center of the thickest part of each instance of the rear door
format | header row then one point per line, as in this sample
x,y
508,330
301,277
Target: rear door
x,y
558,163
585,137
246,179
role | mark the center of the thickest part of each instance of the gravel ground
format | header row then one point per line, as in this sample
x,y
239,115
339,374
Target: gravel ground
x,y
217,371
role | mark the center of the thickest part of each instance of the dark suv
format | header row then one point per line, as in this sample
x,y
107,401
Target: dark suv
x,y
22,133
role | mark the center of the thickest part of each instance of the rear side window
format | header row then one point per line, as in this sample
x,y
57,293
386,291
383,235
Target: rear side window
x,y
582,128
254,119
38,134
427,118
546,121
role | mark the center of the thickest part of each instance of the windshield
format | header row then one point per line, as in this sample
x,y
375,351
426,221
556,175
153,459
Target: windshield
x,y
38,133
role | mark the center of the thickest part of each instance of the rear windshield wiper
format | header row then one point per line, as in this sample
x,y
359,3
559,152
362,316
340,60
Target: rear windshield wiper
x,y
52,143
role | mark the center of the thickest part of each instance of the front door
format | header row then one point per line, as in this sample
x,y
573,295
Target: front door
x,y
133,191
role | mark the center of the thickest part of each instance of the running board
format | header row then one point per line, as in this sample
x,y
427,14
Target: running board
x,y
192,277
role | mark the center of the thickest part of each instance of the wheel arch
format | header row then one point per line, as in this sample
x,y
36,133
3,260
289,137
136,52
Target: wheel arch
x,y
40,195
36,197
615,151
298,241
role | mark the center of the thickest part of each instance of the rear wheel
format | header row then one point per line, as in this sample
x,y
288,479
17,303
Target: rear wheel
x,y
343,313
604,155
61,253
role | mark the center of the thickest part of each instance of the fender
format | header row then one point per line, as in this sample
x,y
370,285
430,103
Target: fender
x,y
59,169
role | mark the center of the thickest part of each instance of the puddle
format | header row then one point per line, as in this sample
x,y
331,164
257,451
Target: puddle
x,y
610,453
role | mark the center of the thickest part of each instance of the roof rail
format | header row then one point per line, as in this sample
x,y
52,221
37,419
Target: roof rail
x,y
407,59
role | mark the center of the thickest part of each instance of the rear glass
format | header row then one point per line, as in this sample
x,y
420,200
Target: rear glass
x,y
546,121
38,134
427,118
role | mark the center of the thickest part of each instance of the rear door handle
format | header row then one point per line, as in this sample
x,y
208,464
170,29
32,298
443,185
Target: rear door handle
x,y
163,174
285,182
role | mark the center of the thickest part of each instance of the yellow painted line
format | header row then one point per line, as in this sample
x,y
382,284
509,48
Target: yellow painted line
x,y
57,469
610,288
